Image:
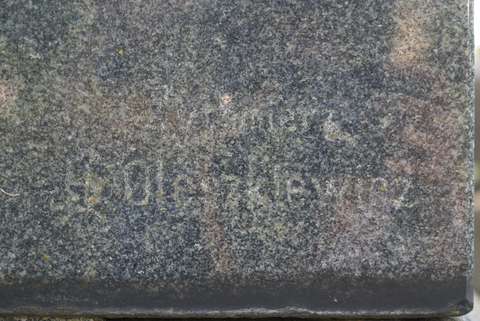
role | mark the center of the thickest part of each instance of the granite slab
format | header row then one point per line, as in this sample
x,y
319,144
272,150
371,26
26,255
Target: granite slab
x,y
236,158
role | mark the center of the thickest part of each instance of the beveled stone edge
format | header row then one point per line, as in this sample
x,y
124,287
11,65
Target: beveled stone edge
x,y
421,298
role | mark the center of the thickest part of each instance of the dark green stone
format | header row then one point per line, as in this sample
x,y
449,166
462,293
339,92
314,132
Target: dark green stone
x,y
219,158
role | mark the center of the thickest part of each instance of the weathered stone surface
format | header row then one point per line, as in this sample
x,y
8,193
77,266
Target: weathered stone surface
x,y
235,157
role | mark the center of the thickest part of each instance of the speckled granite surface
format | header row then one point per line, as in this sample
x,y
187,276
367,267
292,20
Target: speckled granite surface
x,y
235,157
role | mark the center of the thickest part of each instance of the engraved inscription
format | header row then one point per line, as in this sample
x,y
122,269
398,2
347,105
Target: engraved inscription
x,y
142,183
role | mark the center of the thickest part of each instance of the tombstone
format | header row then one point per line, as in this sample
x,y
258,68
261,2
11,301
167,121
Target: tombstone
x,y
236,158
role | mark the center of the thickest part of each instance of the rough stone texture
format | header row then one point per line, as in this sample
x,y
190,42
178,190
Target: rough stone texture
x,y
235,157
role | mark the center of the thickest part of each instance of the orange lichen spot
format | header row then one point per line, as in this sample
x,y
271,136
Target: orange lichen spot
x,y
226,99
410,41
92,200
7,94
